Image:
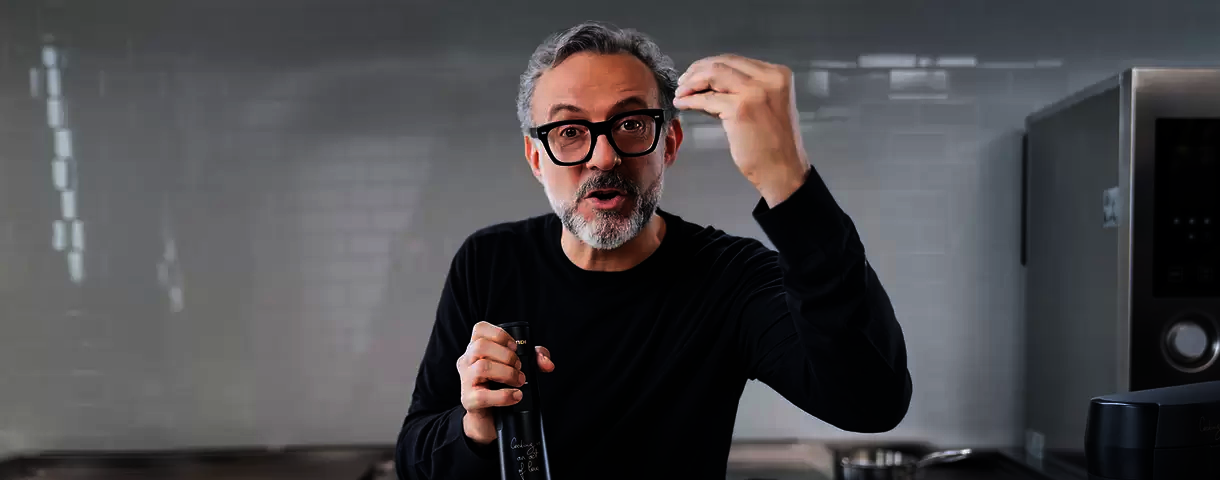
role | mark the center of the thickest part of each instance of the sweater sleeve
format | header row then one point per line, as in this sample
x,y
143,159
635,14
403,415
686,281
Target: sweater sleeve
x,y
816,324
432,443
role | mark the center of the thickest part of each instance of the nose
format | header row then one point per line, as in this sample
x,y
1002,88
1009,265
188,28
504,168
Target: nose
x,y
604,157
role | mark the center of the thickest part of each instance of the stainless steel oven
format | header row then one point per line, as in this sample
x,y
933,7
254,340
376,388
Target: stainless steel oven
x,y
1121,248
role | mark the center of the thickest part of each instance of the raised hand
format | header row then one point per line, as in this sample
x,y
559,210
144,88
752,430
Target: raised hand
x,y
757,106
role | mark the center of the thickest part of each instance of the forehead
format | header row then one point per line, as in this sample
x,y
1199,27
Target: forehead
x,y
594,83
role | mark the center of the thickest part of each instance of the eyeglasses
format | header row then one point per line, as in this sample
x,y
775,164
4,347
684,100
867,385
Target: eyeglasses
x,y
631,134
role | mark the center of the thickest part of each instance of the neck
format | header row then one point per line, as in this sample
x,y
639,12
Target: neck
x,y
630,254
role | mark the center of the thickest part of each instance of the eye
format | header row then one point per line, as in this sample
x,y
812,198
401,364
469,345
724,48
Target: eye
x,y
631,125
569,132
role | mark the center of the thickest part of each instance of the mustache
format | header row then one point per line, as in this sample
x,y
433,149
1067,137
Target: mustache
x,y
611,179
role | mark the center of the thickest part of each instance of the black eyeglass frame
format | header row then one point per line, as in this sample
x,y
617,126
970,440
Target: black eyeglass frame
x,y
597,129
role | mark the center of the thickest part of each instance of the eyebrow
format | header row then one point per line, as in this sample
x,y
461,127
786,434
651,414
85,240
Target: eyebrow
x,y
631,101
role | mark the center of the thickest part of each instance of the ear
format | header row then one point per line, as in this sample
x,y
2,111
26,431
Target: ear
x,y
673,140
532,155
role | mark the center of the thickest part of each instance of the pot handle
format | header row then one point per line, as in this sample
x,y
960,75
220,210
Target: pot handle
x,y
945,456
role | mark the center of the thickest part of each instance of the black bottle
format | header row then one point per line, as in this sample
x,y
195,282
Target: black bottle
x,y
519,432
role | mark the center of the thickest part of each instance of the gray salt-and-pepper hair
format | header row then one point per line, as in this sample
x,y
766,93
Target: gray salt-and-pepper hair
x,y
602,38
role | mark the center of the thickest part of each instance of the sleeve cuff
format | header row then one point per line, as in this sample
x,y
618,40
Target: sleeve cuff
x,y
808,222
466,451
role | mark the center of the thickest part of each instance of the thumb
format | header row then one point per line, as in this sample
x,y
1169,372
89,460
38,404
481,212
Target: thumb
x,y
544,359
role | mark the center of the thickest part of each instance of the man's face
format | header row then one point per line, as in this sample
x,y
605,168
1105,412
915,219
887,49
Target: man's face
x,y
606,201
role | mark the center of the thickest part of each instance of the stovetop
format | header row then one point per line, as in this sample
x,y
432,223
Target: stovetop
x,y
777,460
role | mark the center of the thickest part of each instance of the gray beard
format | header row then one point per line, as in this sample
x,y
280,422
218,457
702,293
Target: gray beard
x,y
609,230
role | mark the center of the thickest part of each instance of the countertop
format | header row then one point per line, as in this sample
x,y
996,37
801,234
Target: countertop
x,y
314,463
375,463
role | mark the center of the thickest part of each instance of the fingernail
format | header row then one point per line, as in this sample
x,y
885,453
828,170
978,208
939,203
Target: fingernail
x,y
521,378
516,394
512,345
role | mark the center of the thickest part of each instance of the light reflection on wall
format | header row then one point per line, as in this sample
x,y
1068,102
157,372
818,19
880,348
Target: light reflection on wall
x,y
169,272
68,231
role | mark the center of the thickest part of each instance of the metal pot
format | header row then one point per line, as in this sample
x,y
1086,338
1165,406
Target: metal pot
x,y
883,464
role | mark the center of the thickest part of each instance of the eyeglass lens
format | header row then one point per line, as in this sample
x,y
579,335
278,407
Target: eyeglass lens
x,y
632,135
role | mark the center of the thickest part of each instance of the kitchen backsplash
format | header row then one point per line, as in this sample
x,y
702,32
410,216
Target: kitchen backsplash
x,y
227,223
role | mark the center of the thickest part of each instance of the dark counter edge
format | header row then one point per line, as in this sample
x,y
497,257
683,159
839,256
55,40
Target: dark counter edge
x,y
21,465
380,457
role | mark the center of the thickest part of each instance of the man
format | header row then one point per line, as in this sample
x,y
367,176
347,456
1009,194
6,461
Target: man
x,y
655,324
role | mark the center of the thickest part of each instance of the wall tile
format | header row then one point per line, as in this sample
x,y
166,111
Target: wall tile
x,y
317,172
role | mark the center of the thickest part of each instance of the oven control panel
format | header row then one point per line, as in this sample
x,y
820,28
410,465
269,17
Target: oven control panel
x,y
1186,208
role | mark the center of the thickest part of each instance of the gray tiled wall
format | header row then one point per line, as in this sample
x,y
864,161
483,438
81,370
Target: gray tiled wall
x,y
270,193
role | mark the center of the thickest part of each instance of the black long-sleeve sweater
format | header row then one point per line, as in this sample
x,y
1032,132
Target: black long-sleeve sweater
x,y
651,362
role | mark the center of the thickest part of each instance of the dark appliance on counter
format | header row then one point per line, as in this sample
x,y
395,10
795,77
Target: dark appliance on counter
x,y
1165,433
1119,242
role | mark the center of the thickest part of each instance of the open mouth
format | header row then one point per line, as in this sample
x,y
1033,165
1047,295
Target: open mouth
x,y
605,194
